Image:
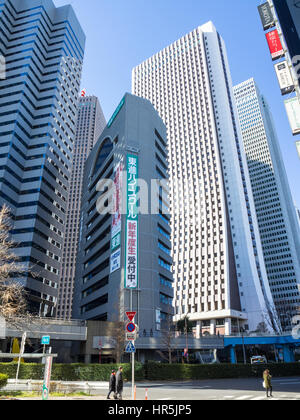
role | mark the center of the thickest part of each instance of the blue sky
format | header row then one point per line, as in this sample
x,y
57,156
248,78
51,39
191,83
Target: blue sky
x,y
121,34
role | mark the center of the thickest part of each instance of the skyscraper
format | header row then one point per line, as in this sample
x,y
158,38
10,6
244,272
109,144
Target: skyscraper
x,y
90,124
277,219
43,47
124,261
288,12
219,273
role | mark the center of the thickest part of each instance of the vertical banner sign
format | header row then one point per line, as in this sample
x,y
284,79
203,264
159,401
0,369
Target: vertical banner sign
x,y
275,45
284,77
292,107
131,250
115,259
117,216
266,16
298,147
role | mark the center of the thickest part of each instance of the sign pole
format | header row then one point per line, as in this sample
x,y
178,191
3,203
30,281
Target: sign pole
x,y
47,376
20,356
132,354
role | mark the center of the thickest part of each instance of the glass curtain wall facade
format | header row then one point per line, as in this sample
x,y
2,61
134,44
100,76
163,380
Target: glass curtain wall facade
x,y
277,219
43,48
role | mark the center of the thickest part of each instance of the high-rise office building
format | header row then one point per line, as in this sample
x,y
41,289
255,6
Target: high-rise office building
x,y
43,47
275,209
219,274
90,124
288,12
124,260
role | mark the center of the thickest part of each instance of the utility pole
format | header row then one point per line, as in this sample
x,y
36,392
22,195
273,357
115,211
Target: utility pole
x,y
244,350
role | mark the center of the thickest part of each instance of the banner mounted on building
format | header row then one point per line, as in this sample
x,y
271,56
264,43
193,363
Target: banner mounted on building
x,y
284,77
298,147
293,111
266,15
115,261
275,45
131,244
117,203
288,12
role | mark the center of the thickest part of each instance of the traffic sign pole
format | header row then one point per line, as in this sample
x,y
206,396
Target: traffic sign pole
x,y
132,355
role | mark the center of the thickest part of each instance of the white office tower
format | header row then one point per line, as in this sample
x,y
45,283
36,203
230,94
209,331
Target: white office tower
x,y
220,278
275,209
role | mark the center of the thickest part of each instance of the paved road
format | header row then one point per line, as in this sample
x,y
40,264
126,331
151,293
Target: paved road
x,y
226,390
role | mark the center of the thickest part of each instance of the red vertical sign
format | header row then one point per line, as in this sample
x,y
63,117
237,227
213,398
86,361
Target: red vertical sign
x,y
275,45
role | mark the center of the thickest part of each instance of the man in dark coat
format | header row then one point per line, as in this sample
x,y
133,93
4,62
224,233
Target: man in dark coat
x,y
119,383
112,384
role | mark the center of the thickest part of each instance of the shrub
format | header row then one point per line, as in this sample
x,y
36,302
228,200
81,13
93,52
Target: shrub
x,y
159,371
71,372
152,371
3,380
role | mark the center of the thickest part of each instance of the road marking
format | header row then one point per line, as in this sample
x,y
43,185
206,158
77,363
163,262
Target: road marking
x,y
285,380
258,398
244,397
289,383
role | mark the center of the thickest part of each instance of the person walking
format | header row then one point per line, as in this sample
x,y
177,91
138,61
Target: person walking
x,y
268,383
112,384
119,383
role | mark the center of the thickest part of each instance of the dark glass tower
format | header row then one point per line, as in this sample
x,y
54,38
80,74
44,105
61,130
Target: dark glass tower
x,y
43,47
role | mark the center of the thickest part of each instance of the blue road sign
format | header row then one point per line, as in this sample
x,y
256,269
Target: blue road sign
x,y
130,348
130,327
45,341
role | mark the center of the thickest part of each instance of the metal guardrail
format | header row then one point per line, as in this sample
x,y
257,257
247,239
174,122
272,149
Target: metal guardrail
x,y
26,355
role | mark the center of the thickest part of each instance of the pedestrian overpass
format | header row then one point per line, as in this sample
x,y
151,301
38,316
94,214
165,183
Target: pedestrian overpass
x,y
285,344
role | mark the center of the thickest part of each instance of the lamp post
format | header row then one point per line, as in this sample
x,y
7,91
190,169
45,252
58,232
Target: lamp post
x,y
242,330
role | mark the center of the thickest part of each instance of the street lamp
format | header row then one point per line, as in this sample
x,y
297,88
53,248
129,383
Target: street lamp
x,y
242,331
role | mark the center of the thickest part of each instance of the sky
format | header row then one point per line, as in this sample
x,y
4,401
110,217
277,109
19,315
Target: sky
x,y
122,34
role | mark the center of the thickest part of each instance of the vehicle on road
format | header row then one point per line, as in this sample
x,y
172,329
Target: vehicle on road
x,y
258,360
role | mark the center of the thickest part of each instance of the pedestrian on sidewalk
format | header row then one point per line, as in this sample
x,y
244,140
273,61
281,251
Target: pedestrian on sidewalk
x,y
268,383
112,384
119,383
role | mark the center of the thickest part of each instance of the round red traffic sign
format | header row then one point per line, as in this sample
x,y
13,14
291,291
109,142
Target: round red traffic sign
x,y
130,327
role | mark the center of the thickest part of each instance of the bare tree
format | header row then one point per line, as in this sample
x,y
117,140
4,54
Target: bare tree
x,y
118,329
167,340
13,302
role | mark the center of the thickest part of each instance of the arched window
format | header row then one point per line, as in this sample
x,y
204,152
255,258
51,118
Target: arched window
x,y
105,150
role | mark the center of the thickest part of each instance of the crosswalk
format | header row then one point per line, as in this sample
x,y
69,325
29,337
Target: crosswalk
x,y
248,397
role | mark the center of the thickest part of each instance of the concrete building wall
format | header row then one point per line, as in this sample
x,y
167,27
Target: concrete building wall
x,y
218,265
100,294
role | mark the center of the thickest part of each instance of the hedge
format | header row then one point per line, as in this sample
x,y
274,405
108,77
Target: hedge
x,y
158,371
71,372
3,380
152,371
